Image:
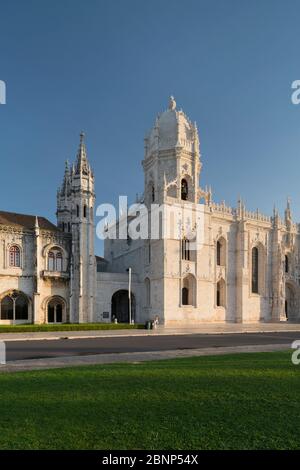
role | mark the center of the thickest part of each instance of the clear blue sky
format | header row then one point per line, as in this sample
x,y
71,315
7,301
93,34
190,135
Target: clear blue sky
x,y
108,67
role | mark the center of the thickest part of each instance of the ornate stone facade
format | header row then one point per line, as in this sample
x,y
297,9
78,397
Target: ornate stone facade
x,y
244,268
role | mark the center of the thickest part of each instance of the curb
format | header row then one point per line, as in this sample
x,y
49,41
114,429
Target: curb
x,y
160,332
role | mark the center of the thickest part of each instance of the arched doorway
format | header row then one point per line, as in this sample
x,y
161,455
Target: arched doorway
x,y
290,301
120,306
55,310
221,293
188,291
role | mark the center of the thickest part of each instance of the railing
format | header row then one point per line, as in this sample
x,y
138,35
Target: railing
x,y
56,274
223,208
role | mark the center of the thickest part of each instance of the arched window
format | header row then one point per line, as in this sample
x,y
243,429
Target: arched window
x,y
255,273
55,260
77,210
14,307
55,311
185,249
185,296
152,193
184,190
286,259
15,256
84,212
221,293
218,253
221,252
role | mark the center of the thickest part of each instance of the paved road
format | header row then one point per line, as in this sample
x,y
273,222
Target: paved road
x,y
17,350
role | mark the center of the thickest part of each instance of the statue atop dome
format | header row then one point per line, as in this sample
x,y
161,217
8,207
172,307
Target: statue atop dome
x,y
172,103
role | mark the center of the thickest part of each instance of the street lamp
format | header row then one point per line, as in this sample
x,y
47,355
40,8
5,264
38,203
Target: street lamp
x,y
129,294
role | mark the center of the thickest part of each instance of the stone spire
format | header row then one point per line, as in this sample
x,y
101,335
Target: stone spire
x,y
66,179
288,213
81,162
275,217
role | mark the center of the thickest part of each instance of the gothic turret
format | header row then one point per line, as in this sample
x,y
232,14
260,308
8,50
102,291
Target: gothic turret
x,y
75,214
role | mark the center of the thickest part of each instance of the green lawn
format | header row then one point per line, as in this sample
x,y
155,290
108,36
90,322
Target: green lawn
x,y
67,327
242,401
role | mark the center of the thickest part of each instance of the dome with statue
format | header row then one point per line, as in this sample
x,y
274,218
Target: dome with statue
x,y
172,129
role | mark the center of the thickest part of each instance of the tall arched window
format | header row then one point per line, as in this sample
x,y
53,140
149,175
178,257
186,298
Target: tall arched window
x,y
255,273
218,253
152,193
184,189
286,259
15,256
77,210
185,249
84,211
221,252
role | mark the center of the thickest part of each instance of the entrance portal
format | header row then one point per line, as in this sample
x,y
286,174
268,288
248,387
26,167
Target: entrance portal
x,y
120,306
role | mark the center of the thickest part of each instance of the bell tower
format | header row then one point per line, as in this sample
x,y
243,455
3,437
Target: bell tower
x,y
172,158
75,214
171,171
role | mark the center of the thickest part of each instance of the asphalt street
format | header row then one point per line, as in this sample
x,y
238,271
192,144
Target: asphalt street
x,y
18,350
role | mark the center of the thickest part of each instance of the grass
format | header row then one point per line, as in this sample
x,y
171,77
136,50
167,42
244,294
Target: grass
x,y
67,327
242,401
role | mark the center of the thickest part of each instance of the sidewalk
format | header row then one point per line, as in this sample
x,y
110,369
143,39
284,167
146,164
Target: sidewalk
x,y
205,328
133,358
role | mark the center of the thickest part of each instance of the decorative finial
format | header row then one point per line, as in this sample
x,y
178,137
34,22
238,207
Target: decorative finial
x,y
172,103
82,163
